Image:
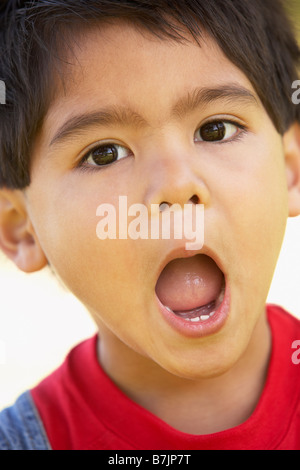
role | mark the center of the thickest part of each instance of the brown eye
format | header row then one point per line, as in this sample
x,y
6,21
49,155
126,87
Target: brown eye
x,y
213,131
106,154
217,131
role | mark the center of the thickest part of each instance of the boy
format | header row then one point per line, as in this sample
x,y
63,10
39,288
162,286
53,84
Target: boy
x,y
159,103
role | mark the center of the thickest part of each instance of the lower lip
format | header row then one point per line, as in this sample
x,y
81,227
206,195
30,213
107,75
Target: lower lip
x,y
198,329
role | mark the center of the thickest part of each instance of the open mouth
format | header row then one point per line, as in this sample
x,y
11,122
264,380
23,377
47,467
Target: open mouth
x,y
191,288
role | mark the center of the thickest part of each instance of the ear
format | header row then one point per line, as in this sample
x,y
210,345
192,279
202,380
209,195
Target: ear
x,y
291,143
17,236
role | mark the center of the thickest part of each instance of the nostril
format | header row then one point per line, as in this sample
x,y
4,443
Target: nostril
x,y
163,206
195,199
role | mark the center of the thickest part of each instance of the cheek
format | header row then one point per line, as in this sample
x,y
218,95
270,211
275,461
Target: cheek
x,y
65,221
256,213
267,199
94,270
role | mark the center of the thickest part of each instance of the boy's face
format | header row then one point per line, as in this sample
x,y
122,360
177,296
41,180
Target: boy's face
x,y
155,86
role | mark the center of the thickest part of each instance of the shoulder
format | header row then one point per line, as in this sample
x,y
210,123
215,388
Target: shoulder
x,y
21,428
285,329
282,321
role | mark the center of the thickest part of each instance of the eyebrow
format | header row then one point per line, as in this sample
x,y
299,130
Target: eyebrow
x,y
231,94
114,115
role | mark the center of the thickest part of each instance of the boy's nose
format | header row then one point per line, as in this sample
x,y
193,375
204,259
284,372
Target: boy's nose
x,y
175,179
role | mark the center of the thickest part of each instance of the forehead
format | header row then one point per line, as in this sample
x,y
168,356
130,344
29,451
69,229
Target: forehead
x,y
118,65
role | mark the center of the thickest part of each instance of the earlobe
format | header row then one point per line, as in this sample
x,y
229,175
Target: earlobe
x,y
291,143
17,237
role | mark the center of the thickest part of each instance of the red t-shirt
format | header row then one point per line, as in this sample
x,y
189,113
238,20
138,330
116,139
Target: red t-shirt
x,y
82,409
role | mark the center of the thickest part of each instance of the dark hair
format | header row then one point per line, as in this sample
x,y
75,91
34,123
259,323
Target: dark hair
x,y
255,35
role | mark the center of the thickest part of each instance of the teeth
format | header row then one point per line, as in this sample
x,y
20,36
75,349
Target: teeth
x,y
199,319
204,317
195,319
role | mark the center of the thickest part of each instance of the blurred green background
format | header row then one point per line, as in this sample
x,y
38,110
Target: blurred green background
x,y
293,8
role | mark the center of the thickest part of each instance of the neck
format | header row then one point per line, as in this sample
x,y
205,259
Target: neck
x,y
203,406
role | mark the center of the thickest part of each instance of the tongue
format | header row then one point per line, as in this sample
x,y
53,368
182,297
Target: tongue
x,y
188,283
